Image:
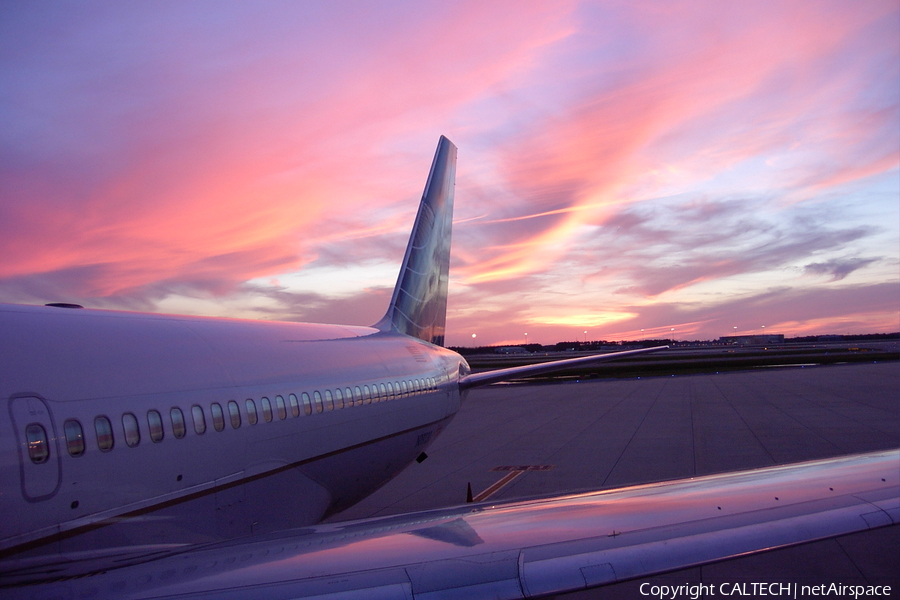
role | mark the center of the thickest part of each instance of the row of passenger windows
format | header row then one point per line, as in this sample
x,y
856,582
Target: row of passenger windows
x,y
329,400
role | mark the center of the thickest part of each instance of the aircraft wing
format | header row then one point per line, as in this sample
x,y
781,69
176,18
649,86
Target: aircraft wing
x,y
497,375
528,548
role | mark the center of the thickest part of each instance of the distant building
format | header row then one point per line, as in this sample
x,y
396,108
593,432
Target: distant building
x,y
753,340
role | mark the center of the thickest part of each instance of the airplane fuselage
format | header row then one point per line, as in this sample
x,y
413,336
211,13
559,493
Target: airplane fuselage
x,y
199,428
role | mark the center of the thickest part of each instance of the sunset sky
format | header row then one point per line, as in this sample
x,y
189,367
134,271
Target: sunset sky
x,y
629,169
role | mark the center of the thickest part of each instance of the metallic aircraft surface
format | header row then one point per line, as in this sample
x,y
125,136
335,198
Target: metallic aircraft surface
x,y
170,456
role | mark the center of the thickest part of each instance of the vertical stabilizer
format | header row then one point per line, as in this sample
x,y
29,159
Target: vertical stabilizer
x,y
419,305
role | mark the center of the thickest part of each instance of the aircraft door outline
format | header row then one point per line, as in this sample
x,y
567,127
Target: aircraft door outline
x,y
40,479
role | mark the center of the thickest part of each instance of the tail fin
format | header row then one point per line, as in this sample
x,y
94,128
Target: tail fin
x,y
419,305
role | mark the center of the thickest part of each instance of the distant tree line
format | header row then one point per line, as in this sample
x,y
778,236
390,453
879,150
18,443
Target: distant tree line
x,y
846,338
576,346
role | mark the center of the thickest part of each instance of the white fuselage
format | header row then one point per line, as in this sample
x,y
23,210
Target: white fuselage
x,y
283,423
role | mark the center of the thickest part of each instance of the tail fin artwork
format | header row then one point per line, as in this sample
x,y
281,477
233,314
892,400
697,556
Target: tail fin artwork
x,y
419,305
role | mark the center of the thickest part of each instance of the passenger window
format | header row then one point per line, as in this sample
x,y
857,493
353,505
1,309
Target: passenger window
x,y
357,396
338,398
234,413
317,397
383,392
390,389
74,437
199,419
252,417
279,407
307,406
267,409
404,390
154,420
132,433
178,429
418,385
348,397
367,395
295,406
104,433
329,400
38,448
218,417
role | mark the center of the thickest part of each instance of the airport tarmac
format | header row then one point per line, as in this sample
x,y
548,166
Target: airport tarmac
x,y
617,432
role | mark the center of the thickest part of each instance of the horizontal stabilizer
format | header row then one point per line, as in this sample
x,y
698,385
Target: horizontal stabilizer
x,y
477,379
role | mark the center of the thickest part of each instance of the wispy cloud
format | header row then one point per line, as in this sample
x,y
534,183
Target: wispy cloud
x,y
837,269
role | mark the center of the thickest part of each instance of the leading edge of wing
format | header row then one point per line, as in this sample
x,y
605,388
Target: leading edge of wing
x,y
497,375
536,547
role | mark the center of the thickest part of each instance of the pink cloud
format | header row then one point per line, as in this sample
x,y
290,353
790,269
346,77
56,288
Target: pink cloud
x,y
225,172
709,102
